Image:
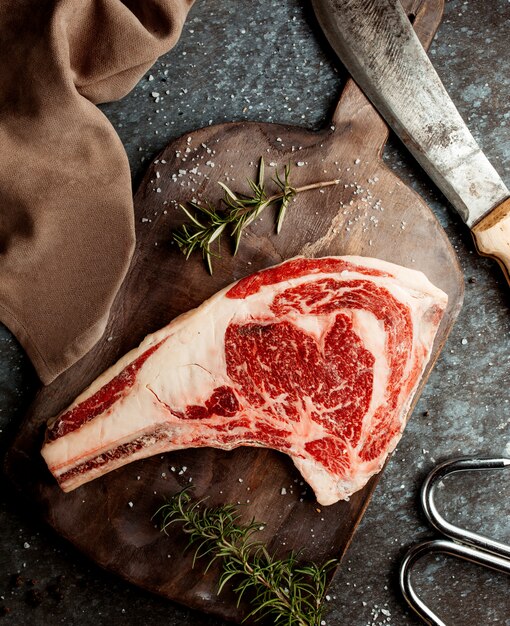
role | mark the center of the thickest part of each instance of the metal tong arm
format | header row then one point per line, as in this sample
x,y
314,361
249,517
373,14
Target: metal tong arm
x,y
438,521
446,547
468,545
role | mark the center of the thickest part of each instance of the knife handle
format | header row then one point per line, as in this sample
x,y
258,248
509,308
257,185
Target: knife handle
x,y
492,236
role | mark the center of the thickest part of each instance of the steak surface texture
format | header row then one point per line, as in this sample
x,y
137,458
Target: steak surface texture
x,y
316,358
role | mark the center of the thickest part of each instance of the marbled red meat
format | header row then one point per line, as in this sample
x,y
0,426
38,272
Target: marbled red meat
x,y
316,358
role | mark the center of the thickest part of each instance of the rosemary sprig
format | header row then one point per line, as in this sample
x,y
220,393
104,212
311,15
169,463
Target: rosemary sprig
x,y
289,592
236,211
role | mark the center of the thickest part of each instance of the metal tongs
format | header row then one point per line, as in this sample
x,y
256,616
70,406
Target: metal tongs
x,y
465,545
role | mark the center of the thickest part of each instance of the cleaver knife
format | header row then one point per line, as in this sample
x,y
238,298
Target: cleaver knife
x,y
377,44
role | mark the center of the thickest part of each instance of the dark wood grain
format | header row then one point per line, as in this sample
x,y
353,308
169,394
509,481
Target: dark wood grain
x,y
345,219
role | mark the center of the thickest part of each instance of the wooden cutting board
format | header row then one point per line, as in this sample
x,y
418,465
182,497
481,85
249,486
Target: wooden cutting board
x,y
371,213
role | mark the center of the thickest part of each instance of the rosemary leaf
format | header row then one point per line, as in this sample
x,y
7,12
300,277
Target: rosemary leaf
x,y
281,213
229,193
261,172
217,232
284,590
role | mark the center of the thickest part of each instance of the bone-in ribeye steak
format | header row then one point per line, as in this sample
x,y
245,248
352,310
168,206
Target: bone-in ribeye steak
x,y
317,358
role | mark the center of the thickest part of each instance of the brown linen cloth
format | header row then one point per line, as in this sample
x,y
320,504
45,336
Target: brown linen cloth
x,y
66,211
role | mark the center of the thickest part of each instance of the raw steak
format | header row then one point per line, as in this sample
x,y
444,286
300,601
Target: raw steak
x,y
317,358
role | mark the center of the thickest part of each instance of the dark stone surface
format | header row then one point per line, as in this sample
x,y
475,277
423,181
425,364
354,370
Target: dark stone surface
x,y
245,59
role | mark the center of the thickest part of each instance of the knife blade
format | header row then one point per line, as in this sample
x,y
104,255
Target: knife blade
x,y
375,41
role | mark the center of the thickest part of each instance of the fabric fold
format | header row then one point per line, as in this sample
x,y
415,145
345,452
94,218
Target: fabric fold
x,y
66,211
